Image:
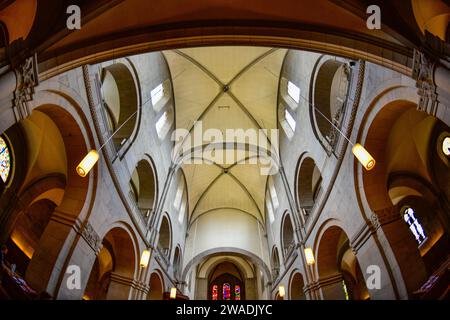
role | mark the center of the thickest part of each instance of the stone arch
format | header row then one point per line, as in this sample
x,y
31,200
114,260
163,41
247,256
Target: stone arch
x,y
70,194
112,274
328,93
337,267
308,184
156,286
296,285
121,101
275,260
144,186
177,261
400,137
287,235
18,18
432,16
165,236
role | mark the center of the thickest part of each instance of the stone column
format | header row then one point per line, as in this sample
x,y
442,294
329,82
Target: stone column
x,y
331,287
119,287
433,83
201,289
16,90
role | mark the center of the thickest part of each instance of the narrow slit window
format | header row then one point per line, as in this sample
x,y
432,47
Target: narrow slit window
x,y
157,94
293,91
160,124
290,120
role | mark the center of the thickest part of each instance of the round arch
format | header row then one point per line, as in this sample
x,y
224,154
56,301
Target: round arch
x,y
308,184
296,285
337,266
156,286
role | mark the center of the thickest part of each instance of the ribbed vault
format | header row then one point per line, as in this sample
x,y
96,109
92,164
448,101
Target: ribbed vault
x,y
226,88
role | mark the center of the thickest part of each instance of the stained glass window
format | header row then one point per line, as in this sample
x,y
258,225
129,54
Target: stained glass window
x,y
5,160
226,293
414,225
237,292
214,292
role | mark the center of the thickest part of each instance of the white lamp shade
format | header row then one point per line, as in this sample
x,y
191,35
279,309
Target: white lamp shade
x,y
363,156
145,258
173,293
281,291
309,255
87,163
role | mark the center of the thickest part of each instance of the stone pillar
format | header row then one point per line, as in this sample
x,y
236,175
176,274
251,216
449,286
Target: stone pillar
x,y
331,287
48,260
433,83
119,287
83,256
16,90
251,290
201,289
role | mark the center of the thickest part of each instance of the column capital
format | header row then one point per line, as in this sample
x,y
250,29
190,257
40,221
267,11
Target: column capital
x,y
26,79
423,72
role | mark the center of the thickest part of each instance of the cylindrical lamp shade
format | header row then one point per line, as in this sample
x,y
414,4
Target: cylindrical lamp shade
x,y
87,163
145,258
309,255
173,293
281,291
363,156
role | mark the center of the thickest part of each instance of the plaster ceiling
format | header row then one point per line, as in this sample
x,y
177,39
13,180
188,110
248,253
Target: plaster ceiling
x,y
225,88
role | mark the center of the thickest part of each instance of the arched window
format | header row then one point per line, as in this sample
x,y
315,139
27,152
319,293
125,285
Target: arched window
x,y
237,292
226,293
214,292
293,91
5,160
414,225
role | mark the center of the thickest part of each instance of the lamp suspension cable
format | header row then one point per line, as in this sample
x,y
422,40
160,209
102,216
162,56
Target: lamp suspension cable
x,y
363,156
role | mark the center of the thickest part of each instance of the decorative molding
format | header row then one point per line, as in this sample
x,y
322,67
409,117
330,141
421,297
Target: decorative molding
x,y
26,78
91,237
423,71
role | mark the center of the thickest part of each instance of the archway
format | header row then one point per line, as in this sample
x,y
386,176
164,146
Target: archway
x,y
406,189
296,287
287,236
330,89
275,263
340,276
120,101
177,263
156,287
143,186
55,143
226,283
309,185
114,268
165,237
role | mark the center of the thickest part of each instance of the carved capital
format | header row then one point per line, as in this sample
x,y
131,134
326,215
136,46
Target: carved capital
x,y
27,79
92,238
423,73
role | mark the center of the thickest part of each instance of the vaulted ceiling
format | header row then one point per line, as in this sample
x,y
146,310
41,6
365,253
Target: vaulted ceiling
x,y
225,88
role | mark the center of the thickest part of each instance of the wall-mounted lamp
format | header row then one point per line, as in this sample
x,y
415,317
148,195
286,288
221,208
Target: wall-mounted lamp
x,y
281,291
145,258
309,256
173,293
